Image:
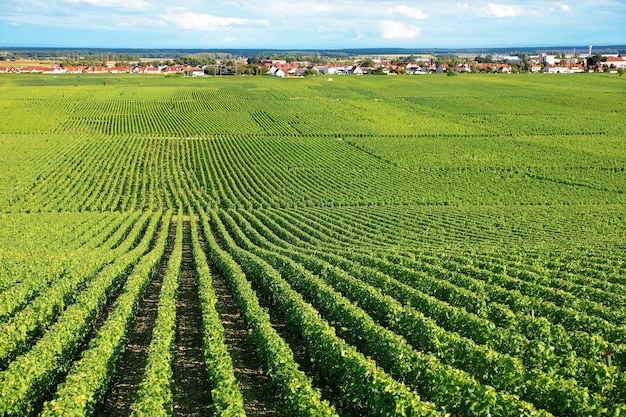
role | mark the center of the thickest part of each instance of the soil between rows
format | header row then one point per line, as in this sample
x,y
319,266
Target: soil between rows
x,y
123,387
256,389
191,391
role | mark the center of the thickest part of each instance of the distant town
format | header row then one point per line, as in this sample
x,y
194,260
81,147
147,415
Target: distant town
x,y
203,64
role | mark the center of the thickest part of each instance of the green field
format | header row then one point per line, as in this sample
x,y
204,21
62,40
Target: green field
x,y
357,247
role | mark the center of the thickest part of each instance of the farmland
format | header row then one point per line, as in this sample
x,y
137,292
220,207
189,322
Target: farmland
x,y
411,246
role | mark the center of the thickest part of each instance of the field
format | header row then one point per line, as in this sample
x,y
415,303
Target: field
x,y
366,246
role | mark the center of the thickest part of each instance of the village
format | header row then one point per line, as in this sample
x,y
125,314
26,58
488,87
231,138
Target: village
x,y
505,64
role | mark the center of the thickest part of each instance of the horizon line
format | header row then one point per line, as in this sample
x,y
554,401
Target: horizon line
x,y
333,49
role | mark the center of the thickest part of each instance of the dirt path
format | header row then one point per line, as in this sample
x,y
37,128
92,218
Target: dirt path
x,y
192,393
259,398
133,362
301,356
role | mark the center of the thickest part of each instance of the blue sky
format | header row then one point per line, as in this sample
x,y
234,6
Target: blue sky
x,y
328,24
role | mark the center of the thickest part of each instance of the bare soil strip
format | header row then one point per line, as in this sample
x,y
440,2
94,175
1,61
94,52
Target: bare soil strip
x,y
192,392
98,323
300,354
259,398
133,361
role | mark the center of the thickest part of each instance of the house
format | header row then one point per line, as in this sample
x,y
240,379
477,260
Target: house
x,y
547,59
322,69
276,72
616,61
556,69
576,68
75,69
535,68
299,71
175,69
195,72
30,70
151,70
356,70
54,70
504,68
412,68
564,69
120,69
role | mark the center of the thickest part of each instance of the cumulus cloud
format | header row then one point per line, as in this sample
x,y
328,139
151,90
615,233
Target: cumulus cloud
x,y
502,10
565,8
407,11
209,23
393,30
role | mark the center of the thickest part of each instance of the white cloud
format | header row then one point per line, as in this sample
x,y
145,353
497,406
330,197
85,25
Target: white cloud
x,y
407,11
508,10
209,23
393,30
502,10
122,4
565,8
290,9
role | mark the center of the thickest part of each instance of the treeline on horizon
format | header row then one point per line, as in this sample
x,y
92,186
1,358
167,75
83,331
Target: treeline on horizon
x,y
128,54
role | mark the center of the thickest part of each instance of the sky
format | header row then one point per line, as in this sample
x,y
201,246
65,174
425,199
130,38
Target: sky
x,y
314,24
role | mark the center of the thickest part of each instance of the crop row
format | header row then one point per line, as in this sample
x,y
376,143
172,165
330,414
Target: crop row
x,y
359,381
434,268
454,389
225,394
154,396
26,379
453,350
592,371
26,325
42,271
89,376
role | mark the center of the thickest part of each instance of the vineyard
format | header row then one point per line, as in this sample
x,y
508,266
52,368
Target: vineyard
x,y
366,246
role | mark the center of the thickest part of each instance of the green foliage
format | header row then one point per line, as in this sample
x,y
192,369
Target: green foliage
x,y
434,244
26,379
154,396
227,399
88,379
363,386
297,395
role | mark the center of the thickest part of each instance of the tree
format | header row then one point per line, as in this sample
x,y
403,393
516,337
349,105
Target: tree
x,y
488,59
594,59
524,66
